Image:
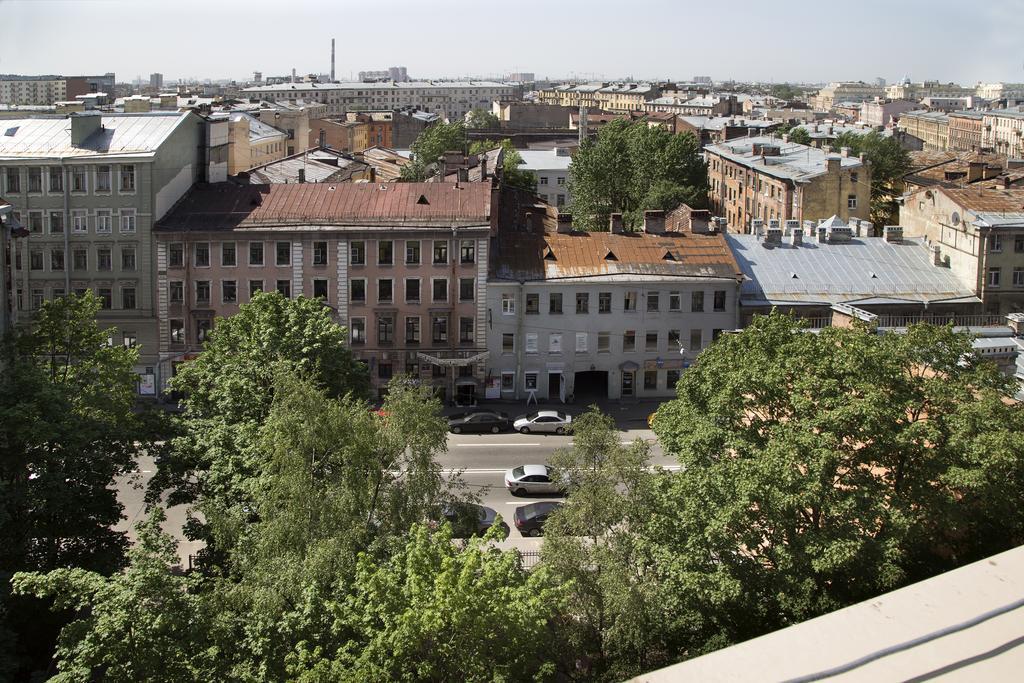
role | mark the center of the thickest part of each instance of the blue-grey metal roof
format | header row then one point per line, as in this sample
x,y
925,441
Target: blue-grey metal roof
x,y
121,135
793,162
865,269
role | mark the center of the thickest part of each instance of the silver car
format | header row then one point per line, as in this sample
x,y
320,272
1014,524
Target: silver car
x,y
543,421
531,479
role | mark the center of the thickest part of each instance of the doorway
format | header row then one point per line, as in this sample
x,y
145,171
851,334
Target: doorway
x,y
555,387
627,383
590,384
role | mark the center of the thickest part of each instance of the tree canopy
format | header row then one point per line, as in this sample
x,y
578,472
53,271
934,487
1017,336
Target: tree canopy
x,y
799,136
512,175
631,167
889,163
481,118
430,145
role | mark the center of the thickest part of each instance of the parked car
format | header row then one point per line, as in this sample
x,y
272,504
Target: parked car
x,y
531,479
530,519
479,421
469,519
543,421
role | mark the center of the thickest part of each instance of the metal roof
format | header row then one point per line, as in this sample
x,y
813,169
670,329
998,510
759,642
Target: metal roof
x,y
865,269
543,160
258,130
122,134
316,170
794,161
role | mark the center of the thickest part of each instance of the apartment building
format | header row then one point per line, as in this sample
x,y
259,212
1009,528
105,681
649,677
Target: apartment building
x,y
965,128
710,105
402,265
551,169
905,90
604,314
51,89
252,143
765,178
849,91
1000,91
88,188
979,233
613,97
1002,131
714,129
450,99
931,128
880,112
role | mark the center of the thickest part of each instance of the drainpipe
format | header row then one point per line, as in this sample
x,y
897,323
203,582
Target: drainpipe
x,y
520,302
453,321
67,229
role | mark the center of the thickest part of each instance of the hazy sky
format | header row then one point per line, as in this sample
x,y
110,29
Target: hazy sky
x,y
808,41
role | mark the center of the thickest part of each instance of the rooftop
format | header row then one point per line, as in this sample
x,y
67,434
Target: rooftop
x,y
382,85
991,206
793,162
226,206
121,134
259,132
317,166
546,159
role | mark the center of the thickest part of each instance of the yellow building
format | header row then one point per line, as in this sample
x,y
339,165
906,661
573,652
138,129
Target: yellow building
x,y
252,143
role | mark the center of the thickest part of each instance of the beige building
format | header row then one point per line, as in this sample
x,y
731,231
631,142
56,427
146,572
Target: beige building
x,y
252,143
613,97
998,91
979,233
768,179
1002,131
849,91
931,128
965,128
33,89
918,91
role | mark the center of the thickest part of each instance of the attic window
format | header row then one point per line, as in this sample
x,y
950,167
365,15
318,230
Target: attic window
x,y
668,256
549,254
794,276
873,276
610,256
11,132
422,200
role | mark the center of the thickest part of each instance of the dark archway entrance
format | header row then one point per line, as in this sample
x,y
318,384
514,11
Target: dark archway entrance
x,y
590,384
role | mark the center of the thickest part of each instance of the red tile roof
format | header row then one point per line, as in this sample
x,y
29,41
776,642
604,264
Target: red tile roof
x,y
224,206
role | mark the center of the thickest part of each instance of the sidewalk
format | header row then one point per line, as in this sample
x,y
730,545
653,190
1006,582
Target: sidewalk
x,y
628,414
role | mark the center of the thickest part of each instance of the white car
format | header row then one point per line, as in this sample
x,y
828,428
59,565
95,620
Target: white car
x,y
531,479
544,421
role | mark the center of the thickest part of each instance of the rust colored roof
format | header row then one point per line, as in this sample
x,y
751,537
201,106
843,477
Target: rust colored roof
x,y
988,200
224,206
554,256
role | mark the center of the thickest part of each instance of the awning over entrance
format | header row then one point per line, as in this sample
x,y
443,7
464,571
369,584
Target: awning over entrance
x,y
453,359
629,366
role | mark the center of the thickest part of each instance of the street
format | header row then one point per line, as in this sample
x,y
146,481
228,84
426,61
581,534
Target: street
x,y
482,458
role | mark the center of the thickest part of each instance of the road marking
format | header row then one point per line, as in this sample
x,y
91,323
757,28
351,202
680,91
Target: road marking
x,y
493,445
474,471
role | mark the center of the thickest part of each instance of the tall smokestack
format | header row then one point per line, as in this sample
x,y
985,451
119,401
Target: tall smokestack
x,y
332,60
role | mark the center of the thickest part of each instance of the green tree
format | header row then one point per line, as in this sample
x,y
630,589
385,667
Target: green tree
x,y
786,91
617,171
512,175
889,163
819,470
799,136
481,118
430,145
614,611
68,429
142,624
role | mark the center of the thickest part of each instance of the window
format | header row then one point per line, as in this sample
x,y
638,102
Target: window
x,y
466,288
13,180
440,251
629,301
203,328
650,379
56,223
358,330
508,381
560,200
104,221
79,221
671,378
56,179
104,260
412,329
555,342
228,291
128,259
604,302
467,251
532,303
103,178
1018,244
357,251
995,243
285,288
582,302
177,331
508,304
385,329
320,289
439,327
543,180
283,251
80,259
78,180
530,381
508,342
255,287
385,287
1018,277
697,302
628,341
176,291
255,253
439,287
994,273
57,259
412,252
853,178
651,341
560,180
129,340
851,201
696,340
128,298
384,370
106,297
581,342
466,330
604,342
385,253
674,340
319,253
719,301
531,342
127,221
202,291
653,302
127,178
673,301
202,254
228,256
35,179
35,221
37,299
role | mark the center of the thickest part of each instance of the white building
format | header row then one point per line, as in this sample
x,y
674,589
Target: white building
x,y
551,169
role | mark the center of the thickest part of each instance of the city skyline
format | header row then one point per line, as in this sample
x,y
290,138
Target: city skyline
x,y
683,42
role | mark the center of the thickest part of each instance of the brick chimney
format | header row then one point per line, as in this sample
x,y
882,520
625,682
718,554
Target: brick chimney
x,y
615,224
654,222
564,223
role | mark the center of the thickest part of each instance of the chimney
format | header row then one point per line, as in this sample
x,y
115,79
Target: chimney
x,y
615,224
867,228
844,152
832,164
528,221
332,60
483,167
302,175
564,223
654,222
773,235
937,256
975,171
373,174
822,234
785,137
83,125
755,226
893,233
1006,182
798,236
855,225
463,175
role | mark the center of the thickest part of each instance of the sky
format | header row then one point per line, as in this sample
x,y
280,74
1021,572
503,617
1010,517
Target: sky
x,y
945,40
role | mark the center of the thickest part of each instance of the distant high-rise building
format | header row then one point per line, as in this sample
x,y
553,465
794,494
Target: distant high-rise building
x,y
702,79
880,82
398,74
257,76
156,81
521,77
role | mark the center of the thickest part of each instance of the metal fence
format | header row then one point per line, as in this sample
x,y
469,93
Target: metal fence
x,y
531,558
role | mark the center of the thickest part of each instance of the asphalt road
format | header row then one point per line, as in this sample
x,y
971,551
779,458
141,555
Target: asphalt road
x,y
482,460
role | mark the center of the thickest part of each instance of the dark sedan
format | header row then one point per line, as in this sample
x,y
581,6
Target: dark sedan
x,y
530,518
479,421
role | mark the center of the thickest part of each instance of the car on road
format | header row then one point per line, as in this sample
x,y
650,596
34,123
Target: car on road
x,y
468,519
544,422
479,421
530,519
531,479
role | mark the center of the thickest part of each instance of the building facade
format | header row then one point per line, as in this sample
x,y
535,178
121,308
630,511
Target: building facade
x,y
613,97
1003,132
905,90
551,169
931,128
402,266
768,179
89,190
880,112
965,128
32,89
253,143
850,91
